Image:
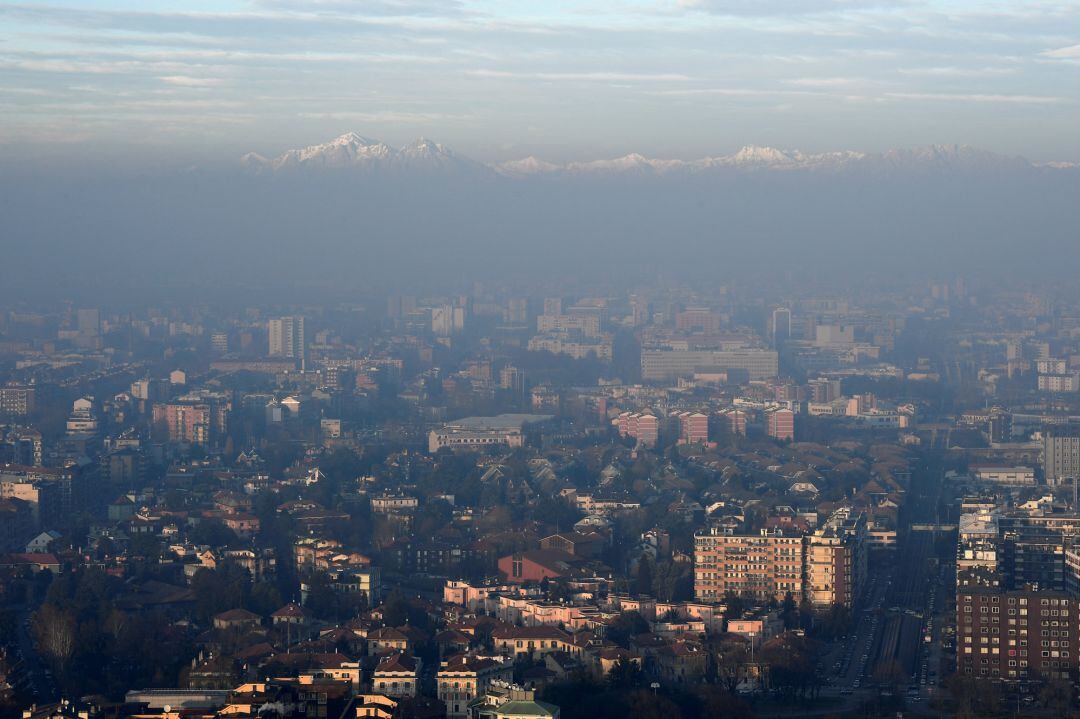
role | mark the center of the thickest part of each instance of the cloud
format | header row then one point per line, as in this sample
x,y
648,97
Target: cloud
x,y
219,24
823,81
186,81
1073,51
764,8
584,76
957,71
737,92
954,97
371,8
385,117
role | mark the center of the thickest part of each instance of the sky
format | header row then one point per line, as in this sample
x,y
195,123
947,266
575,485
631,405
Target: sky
x,y
199,81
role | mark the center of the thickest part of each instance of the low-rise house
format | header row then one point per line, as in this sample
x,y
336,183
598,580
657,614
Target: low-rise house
x,y
397,675
238,618
462,678
532,642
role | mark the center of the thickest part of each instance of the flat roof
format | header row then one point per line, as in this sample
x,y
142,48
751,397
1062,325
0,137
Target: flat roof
x,y
497,422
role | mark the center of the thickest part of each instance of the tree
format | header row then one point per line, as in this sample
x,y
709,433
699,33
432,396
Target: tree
x,y
648,705
9,623
212,533
789,612
734,605
55,630
729,660
723,703
624,673
395,609
625,626
643,586
321,598
218,590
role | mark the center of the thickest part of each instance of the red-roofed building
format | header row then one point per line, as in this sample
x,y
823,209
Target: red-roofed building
x,y
291,613
397,675
38,561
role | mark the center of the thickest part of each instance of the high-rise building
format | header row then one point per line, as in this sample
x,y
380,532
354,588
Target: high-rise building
x,y
643,426
697,319
693,426
781,326
835,566
1000,425
734,421
185,422
1061,454
764,566
219,341
639,310
16,401
89,321
824,568
668,364
287,337
442,320
1016,634
780,424
824,390
513,379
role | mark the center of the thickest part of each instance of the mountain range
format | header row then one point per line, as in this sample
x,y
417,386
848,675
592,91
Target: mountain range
x,y
356,212
352,151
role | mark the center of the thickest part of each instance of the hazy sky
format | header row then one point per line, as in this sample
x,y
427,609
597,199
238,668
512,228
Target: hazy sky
x,y
564,80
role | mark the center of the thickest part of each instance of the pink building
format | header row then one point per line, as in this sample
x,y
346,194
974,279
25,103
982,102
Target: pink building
x,y
693,427
643,426
736,421
780,424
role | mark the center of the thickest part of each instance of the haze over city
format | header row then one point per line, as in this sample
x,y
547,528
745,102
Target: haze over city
x,y
476,359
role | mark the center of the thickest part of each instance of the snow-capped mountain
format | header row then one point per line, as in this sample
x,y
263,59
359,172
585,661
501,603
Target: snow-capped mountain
x,y
352,151
754,158
530,165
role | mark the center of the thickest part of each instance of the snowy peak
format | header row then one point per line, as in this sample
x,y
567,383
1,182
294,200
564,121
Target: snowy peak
x,y
756,155
352,151
755,158
951,157
351,138
530,165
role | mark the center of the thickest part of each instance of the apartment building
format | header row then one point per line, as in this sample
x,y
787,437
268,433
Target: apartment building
x,y
1016,634
462,678
765,566
824,568
693,426
780,424
16,401
668,364
642,426
1061,454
